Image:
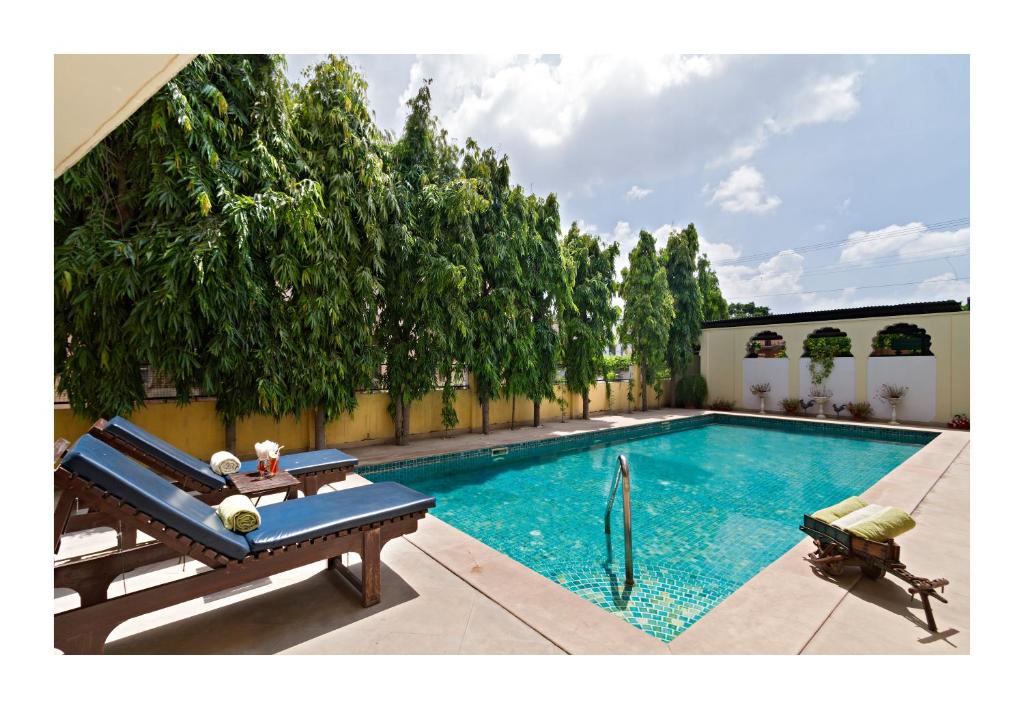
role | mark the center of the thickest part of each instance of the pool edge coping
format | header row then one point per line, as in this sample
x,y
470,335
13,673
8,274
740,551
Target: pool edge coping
x,y
585,628
759,619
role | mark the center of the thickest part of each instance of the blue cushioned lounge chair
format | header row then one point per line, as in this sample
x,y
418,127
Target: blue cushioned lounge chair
x,y
314,469
292,533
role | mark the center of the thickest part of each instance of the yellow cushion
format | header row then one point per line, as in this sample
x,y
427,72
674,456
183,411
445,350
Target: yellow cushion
x,y
831,514
887,524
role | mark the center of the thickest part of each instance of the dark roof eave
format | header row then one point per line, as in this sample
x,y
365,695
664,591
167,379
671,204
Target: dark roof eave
x,y
870,311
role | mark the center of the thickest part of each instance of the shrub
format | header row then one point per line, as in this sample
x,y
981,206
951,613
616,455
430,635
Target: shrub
x,y
860,410
961,421
692,391
722,405
791,405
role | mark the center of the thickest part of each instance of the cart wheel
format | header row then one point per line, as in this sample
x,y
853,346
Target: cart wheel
x,y
835,568
873,572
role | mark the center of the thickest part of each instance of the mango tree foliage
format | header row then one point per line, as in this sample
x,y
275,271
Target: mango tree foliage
x,y
431,268
680,260
713,303
498,319
547,293
164,239
587,328
647,315
329,278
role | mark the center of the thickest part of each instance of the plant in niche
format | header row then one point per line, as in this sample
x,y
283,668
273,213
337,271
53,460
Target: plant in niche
x,y
822,352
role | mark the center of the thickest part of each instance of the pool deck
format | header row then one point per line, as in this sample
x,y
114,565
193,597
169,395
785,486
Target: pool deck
x,y
446,592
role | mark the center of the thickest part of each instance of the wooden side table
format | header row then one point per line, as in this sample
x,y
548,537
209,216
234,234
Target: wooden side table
x,y
251,484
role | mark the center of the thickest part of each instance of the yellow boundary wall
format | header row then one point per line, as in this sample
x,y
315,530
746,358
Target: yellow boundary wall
x,y
195,427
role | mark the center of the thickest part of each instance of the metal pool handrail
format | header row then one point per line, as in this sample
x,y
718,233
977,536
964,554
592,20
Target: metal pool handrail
x,y
622,472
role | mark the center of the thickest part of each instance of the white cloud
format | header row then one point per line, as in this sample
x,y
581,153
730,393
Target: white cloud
x,y
779,274
824,99
945,286
904,241
536,98
937,243
718,251
637,193
743,191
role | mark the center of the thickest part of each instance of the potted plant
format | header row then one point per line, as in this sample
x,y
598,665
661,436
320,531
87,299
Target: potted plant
x,y
860,411
893,394
821,395
761,392
790,405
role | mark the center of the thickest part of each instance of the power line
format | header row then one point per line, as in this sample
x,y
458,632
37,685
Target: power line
x,y
957,223
885,262
839,290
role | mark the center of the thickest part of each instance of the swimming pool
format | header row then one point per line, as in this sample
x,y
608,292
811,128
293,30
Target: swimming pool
x,y
715,499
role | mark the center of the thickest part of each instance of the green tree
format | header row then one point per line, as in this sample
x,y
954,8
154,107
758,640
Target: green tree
x,y
647,315
588,327
713,304
680,261
500,332
164,238
432,268
331,281
547,293
748,310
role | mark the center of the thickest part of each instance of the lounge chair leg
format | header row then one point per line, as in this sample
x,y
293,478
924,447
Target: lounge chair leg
x,y
65,504
87,642
371,567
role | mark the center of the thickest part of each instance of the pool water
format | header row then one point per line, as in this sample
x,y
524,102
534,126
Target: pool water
x,y
712,506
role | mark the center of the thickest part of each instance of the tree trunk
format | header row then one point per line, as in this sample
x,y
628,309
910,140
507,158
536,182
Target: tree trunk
x,y
513,413
536,414
231,435
485,416
586,404
399,427
643,389
320,429
672,394
406,424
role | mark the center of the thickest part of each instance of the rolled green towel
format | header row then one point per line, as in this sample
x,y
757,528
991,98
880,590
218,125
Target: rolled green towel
x,y
831,514
238,514
887,524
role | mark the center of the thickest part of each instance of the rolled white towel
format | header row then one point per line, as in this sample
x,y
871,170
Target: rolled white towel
x,y
857,516
225,463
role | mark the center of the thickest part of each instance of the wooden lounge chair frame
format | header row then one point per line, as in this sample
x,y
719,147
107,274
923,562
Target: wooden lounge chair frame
x,y
834,548
310,482
85,629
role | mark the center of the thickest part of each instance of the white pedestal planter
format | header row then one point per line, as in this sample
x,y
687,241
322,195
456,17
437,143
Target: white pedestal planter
x,y
822,400
894,402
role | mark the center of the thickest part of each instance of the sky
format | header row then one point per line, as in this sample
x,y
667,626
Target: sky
x,y
814,181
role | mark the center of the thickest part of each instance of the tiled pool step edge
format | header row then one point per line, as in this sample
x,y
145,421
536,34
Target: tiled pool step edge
x,y
573,624
781,609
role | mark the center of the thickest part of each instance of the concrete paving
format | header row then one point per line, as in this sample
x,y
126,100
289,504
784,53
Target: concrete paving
x,y
446,592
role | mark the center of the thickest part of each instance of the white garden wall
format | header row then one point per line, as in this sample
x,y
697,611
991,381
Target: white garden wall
x,y
775,371
918,373
842,382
